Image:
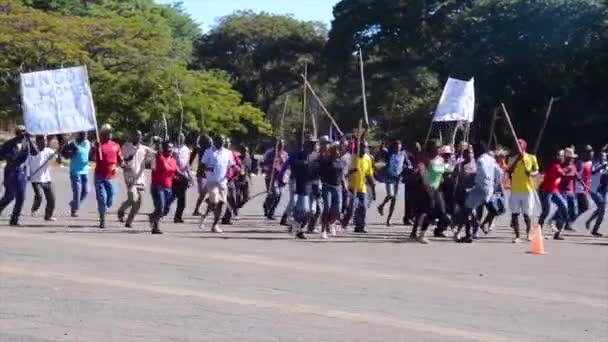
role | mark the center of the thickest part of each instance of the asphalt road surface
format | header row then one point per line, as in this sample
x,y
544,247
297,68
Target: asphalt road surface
x,y
69,281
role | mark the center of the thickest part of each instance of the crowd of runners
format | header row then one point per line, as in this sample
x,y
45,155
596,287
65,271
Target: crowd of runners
x,y
328,185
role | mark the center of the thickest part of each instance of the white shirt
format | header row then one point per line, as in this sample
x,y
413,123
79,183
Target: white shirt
x,y
135,167
39,166
182,155
218,161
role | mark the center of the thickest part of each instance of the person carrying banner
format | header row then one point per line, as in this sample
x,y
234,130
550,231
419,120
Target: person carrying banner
x,y
135,157
15,152
521,202
163,176
108,156
78,153
40,176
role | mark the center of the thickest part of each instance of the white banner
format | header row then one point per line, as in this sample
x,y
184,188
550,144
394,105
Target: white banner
x,y
57,101
457,101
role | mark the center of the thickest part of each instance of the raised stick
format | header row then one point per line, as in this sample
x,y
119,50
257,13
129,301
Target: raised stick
x,y
312,91
542,128
276,146
363,92
304,103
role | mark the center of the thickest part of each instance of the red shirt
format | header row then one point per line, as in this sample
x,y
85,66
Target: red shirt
x,y
111,157
164,171
233,171
568,182
553,177
584,169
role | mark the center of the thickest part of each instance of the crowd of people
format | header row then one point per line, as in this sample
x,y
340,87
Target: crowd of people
x,y
328,183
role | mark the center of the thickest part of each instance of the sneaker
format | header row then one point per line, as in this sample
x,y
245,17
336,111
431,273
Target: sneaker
x,y
332,230
178,220
413,236
456,237
388,223
423,240
553,228
516,240
156,231
529,237
51,219
300,236
284,221
74,213
558,236
324,235
121,217
216,229
381,210
196,213
14,224
597,234
128,225
102,224
34,213
465,240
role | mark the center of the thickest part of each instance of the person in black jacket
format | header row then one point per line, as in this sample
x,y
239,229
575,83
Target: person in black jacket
x,y
15,151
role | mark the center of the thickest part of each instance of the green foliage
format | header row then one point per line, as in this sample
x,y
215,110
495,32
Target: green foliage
x,y
263,53
137,54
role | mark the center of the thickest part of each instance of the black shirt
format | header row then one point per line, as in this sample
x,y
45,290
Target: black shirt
x,y
331,171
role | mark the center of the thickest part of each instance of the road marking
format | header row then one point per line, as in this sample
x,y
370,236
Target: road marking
x,y
293,308
238,258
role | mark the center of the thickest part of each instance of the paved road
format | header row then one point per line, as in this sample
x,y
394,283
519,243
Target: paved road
x,y
69,281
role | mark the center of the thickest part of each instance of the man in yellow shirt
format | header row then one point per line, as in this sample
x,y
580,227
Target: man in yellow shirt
x,y
360,175
522,190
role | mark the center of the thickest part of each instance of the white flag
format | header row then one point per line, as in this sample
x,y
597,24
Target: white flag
x,y
57,101
457,102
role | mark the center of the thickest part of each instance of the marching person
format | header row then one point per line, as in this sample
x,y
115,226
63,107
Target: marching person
x,y
272,162
567,186
487,179
243,180
217,161
78,153
599,192
331,170
549,193
135,156
360,175
464,180
163,176
205,142
522,200
232,211
15,151
40,176
396,162
183,177
108,156
584,167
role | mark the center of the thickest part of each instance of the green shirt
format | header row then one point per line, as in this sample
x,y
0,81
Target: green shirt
x,y
434,173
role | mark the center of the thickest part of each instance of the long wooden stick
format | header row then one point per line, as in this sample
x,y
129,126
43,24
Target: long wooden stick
x,y
181,107
542,129
428,134
312,91
363,91
304,103
492,126
276,146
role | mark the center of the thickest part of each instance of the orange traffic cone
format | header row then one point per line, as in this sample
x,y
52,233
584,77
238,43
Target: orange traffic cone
x,y
538,244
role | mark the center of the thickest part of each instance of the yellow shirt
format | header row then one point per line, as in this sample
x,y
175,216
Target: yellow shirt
x,y
364,168
520,180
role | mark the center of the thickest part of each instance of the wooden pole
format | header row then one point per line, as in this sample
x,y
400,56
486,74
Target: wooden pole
x,y
492,125
542,128
363,91
181,107
100,155
313,123
304,103
312,91
428,135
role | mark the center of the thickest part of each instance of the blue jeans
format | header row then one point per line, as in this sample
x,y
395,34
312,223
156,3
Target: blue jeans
x,y
292,199
546,198
301,212
600,199
104,191
360,207
273,199
161,198
332,202
572,206
14,184
80,190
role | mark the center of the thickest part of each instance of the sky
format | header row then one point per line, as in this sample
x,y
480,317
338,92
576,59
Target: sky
x,y
206,11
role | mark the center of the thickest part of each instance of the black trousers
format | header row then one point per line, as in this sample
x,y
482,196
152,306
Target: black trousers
x,y
180,187
49,196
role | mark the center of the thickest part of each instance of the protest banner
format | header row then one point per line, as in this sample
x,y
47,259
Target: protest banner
x,y
457,102
57,101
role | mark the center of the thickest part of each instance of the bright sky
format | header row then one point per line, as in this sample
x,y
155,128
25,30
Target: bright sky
x,y
206,11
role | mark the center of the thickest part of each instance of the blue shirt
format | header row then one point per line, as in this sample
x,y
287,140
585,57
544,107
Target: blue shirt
x,y
488,175
79,164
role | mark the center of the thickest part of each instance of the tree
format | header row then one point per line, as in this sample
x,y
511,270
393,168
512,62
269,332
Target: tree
x,y
264,54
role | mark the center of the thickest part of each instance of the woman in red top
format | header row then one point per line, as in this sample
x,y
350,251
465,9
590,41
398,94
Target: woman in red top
x,y
162,183
549,192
